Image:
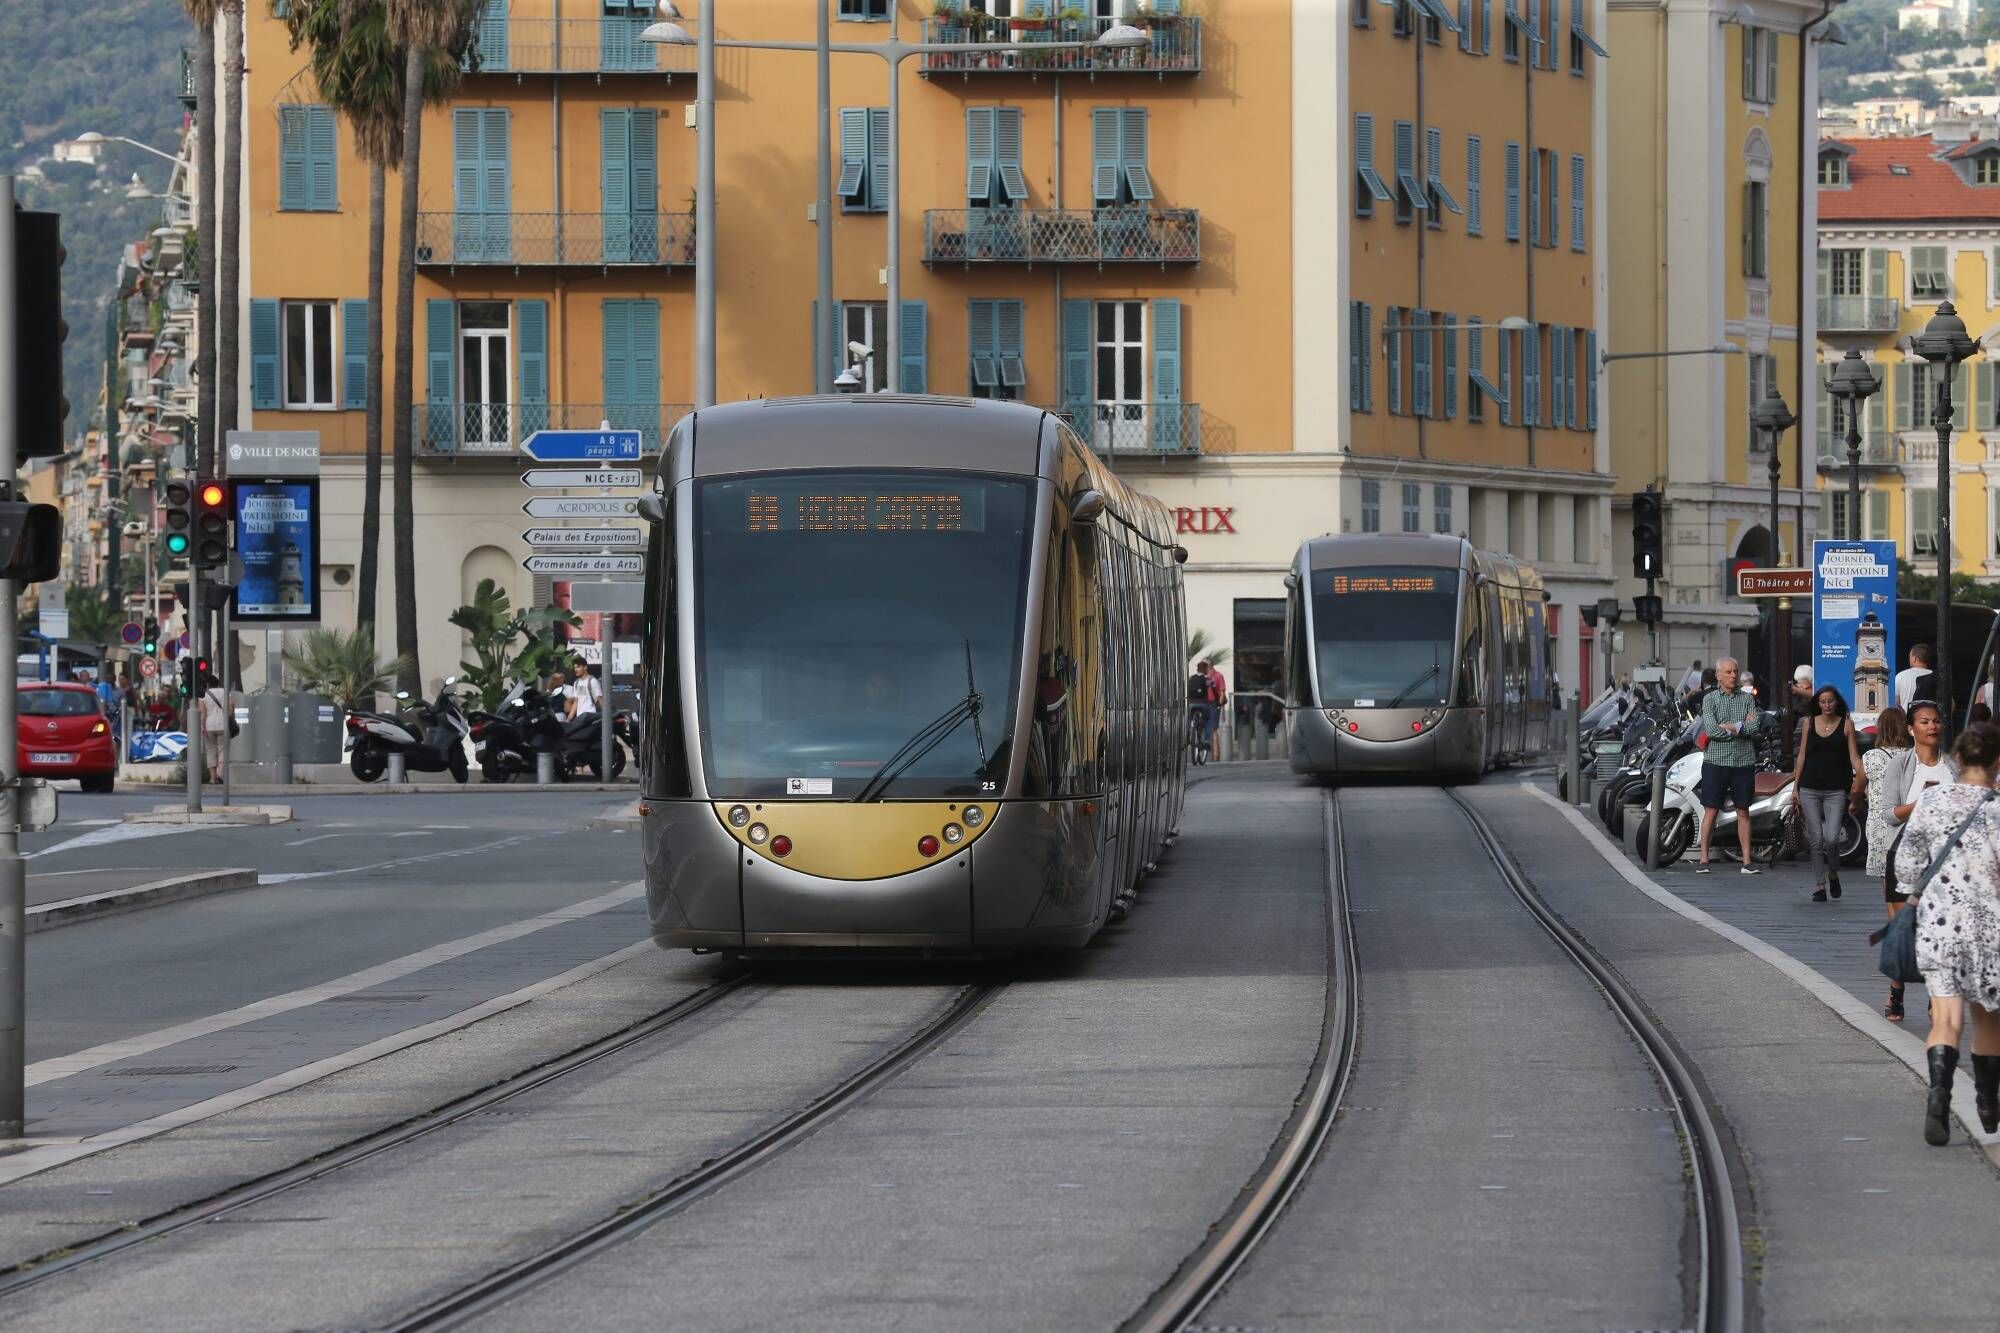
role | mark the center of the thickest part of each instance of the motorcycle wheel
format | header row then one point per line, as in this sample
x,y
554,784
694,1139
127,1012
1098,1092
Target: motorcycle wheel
x,y
617,760
1604,802
490,771
368,762
1676,836
455,763
1853,840
1562,787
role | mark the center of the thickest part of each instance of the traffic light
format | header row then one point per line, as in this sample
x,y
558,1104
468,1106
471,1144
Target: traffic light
x,y
31,538
211,524
150,645
203,677
1648,555
187,678
177,518
39,332
1647,610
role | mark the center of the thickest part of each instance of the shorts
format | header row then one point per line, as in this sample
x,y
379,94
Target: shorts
x,y
1737,781
1889,894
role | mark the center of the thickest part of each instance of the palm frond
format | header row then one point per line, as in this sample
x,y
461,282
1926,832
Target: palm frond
x,y
341,665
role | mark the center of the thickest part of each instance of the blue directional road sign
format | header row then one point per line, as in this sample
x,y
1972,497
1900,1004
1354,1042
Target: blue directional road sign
x,y
583,446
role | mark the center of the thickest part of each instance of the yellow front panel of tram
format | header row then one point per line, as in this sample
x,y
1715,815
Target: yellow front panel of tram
x,y
844,840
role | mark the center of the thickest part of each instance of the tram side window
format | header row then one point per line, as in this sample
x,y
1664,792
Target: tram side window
x,y
1298,674
666,773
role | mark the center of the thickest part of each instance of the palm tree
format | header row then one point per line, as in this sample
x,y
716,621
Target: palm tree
x,y
94,616
203,12
340,665
421,28
1201,646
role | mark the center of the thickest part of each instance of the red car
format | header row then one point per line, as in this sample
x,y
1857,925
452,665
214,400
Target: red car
x,y
64,734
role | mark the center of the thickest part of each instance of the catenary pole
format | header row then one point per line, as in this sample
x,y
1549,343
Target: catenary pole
x,y
829,352
13,872
704,214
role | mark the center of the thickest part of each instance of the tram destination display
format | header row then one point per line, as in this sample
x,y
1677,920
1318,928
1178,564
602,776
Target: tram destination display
x,y
1345,585
851,506
277,537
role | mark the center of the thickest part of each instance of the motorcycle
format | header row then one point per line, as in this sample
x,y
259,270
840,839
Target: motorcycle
x,y
508,740
582,743
430,737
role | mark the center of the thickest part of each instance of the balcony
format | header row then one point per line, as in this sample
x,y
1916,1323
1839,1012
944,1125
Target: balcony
x,y
497,430
1175,49
1062,236
606,45
1134,430
1859,314
1878,452
551,240
189,96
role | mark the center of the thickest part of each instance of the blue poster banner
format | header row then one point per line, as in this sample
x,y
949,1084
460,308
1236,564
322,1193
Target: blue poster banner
x,y
1854,623
277,537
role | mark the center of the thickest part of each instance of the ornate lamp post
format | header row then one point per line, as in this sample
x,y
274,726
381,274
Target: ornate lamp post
x,y
1946,346
1851,385
1773,418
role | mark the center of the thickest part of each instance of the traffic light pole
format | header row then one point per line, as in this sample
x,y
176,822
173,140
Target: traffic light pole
x,y
13,871
197,618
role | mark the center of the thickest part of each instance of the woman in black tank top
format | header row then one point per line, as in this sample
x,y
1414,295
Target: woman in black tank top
x,y
1827,775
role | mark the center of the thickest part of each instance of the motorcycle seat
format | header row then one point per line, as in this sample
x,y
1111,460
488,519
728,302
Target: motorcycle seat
x,y
1770,784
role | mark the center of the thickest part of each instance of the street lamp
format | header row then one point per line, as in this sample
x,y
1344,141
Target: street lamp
x,y
892,53
1851,385
1946,346
1773,418
93,137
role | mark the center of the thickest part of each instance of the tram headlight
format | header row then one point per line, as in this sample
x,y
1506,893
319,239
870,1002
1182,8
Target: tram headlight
x,y
974,816
759,835
739,815
953,834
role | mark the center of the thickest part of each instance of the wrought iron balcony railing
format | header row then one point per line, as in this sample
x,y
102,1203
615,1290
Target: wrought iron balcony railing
x,y
497,430
1062,236
1126,430
1859,314
608,44
1876,451
1175,47
188,94
553,239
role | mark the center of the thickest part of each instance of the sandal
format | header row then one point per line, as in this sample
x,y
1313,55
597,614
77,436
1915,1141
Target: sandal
x,y
1819,895
1893,1011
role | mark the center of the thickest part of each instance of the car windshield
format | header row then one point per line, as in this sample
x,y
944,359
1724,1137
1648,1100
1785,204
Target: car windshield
x,y
1385,634
56,703
841,613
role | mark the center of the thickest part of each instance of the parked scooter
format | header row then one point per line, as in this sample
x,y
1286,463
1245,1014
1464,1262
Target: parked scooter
x,y
430,737
582,742
509,740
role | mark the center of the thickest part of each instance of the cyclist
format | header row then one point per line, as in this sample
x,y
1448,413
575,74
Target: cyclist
x,y
1204,706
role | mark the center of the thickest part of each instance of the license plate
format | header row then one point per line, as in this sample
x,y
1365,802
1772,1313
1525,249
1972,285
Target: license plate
x,y
479,747
51,758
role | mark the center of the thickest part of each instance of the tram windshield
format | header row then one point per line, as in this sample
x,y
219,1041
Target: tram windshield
x,y
1385,635
841,614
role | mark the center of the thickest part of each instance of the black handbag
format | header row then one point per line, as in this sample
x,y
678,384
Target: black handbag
x,y
1897,955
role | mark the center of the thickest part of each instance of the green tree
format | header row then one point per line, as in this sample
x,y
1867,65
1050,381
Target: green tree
x,y
1202,645
93,616
1964,587
510,645
341,665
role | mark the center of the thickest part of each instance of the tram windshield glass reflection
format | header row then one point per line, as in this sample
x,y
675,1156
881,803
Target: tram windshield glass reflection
x,y
1384,634
837,614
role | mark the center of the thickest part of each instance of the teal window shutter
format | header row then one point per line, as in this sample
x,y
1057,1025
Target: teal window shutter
x,y
1506,343
440,361
1475,223
1354,337
1535,197
1450,395
491,35
1434,174
1576,202
617,353
1513,192
531,372
293,192
1531,377
978,156
1007,153
1960,399
354,354
322,145
1105,155
645,185
1393,360
1168,434
468,184
1367,357
1827,426
1465,25
614,145
1420,363
1906,415
982,342
632,368
264,390
878,159
1132,154
1984,414
499,200
852,187
1076,354
1369,190
1590,370
910,349
1010,319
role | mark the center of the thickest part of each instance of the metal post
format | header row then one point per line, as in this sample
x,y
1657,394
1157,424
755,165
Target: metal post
x,y
1659,810
228,698
196,620
604,699
13,871
1854,469
1576,748
894,342
545,768
274,680
704,212
399,769
1777,558
823,212
1941,418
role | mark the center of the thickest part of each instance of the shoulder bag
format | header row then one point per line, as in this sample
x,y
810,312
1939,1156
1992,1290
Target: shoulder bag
x,y
1897,959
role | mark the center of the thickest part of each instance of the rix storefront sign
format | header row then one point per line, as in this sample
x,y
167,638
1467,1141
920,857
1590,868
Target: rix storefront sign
x,y
1774,582
1203,519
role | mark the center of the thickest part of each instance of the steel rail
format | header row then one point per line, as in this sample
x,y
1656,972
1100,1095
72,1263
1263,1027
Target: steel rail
x,y
1203,1274
508,1283
1719,1293
69,1258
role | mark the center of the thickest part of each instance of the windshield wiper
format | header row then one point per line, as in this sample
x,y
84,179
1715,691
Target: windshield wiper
x,y
1410,689
931,735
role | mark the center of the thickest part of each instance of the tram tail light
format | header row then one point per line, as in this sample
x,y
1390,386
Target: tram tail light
x,y
1354,726
927,845
781,846
1416,726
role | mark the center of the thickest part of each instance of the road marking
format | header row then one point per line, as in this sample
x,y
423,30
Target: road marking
x,y
289,876
121,833
321,837
41,1158
62,1066
449,828
1905,1046
412,833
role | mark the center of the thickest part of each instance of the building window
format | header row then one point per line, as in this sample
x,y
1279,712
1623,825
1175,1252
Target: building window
x,y
1406,14
1410,195
1361,12
1119,176
1844,272
1930,273
1763,379
1756,222
1510,39
1986,170
1833,169
867,11
865,322
485,370
1392,344
1436,197
863,186
1760,66
306,176
1441,508
1360,389
1121,352
1371,506
308,354
1923,521
1369,190
999,370
1413,507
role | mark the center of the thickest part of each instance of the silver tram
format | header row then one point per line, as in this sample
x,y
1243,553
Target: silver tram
x,y
1407,653
913,680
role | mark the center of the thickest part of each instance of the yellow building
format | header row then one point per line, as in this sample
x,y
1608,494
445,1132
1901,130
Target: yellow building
x,y
1709,220
1103,233
1903,225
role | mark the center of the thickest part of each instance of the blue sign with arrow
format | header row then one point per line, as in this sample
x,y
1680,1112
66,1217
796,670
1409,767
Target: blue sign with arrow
x,y
583,446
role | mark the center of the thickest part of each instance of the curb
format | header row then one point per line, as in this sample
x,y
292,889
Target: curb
x,y
216,816
620,818
113,902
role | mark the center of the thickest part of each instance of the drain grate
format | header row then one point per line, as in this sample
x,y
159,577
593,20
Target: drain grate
x,y
168,1071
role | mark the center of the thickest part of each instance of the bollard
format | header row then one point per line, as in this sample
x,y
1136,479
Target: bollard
x,y
545,768
1658,813
398,771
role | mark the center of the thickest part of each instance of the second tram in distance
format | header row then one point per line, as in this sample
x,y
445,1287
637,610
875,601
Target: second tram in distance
x,y
1415,654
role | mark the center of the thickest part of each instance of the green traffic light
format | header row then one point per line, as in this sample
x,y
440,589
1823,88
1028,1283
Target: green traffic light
x,y
177,543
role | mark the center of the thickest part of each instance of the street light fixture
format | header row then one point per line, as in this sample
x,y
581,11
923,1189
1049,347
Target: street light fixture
x,y
1945,344
93,137
1851,385
1774,418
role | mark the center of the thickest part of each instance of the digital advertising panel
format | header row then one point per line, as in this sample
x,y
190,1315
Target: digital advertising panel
x,y
1854,623
277,537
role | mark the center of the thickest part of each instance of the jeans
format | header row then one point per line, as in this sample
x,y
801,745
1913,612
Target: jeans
x,y
1823,812
1208,713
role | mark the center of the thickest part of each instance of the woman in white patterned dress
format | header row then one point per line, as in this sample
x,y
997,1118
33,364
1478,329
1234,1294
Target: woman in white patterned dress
x,y
1892,739
1958,926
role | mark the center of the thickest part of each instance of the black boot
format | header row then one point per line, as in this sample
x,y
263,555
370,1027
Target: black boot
x,y
1937,1109
1986,1087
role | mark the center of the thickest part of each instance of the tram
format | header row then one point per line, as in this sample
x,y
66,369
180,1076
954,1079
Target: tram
x,y
913,680
1414,654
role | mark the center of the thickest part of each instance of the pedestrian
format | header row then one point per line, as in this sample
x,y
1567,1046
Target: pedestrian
x,y
1907,776
1203,703
1729,764
1977,714
1749,682
586,689
1825,777
1215,678
1892,740
1707,688
1692,681
1950,858
214,727
1910,678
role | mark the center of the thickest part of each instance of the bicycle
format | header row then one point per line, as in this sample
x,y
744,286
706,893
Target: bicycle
x,y
1198,745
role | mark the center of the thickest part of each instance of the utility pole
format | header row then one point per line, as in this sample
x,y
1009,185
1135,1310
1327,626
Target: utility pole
x,y
13,871
197,617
